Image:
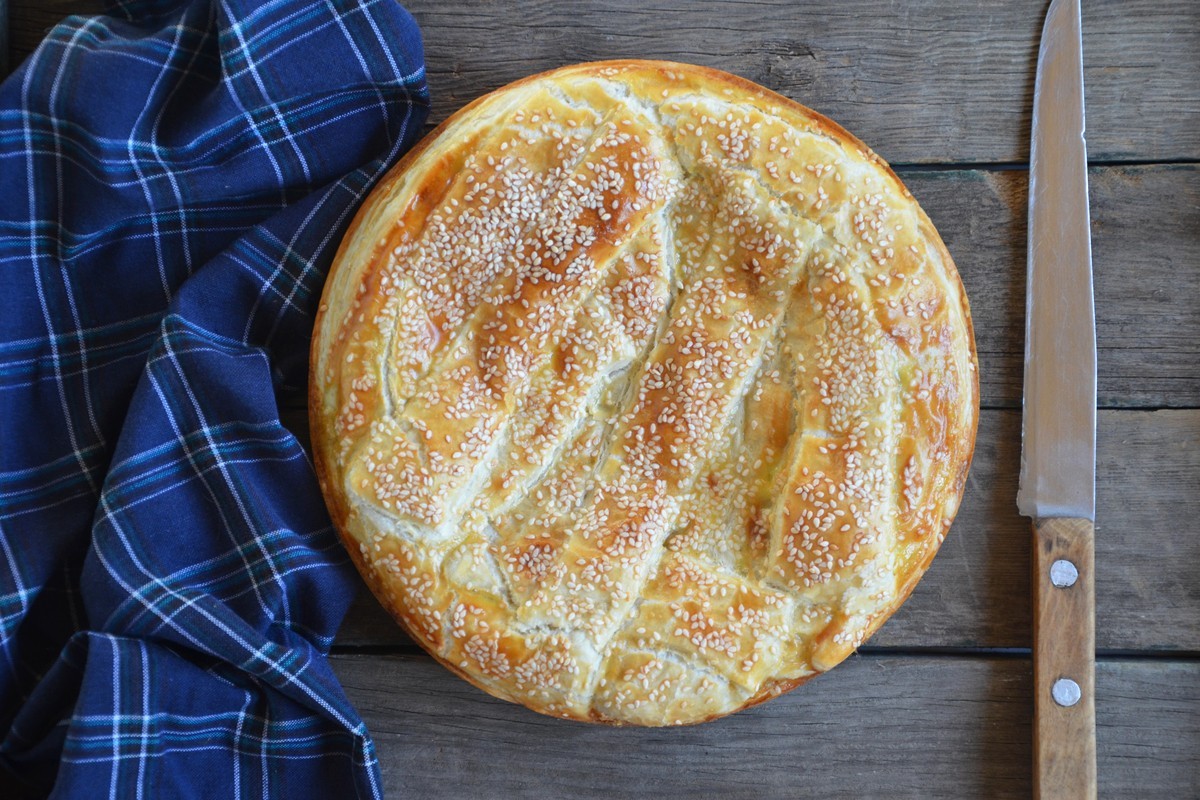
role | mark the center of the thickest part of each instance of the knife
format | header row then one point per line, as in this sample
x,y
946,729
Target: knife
x,y
1058,435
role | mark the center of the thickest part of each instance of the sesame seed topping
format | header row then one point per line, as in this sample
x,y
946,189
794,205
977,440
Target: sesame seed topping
x,y
653,392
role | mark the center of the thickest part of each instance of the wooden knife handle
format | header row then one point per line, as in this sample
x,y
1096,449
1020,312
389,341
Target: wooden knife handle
x,y
1064,650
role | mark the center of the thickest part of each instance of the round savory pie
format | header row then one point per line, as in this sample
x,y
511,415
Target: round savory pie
x,y
642,394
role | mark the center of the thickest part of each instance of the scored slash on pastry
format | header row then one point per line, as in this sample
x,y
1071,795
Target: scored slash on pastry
x,y
641,394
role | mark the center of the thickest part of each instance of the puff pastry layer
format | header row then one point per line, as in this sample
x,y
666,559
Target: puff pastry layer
x,y
641,394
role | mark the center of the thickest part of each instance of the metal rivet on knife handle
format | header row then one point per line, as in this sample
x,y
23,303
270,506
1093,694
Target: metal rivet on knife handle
x,y
1066,692
1063,573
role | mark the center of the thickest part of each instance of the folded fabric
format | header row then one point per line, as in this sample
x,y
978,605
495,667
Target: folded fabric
x,y
175,178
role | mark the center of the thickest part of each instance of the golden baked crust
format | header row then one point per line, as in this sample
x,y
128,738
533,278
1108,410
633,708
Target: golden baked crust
x,y
641,394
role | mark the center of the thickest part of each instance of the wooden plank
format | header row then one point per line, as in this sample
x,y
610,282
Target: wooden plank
x,y
1146,250
1146,226
1146,232
1146,259
977,593
874,727
1148,728
918,81
1148,531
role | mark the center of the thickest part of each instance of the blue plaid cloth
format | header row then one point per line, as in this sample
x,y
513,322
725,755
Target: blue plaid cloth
x,y
174,180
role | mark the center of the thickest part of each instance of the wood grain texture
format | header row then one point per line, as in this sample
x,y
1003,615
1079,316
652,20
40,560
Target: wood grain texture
x,y
875,727
921,81
1148,729
1064,647
1146,252
1146,259
1146,227
1145,220
977,593
1147,246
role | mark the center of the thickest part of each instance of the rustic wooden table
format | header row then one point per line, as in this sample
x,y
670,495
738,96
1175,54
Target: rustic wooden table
x,y
938,703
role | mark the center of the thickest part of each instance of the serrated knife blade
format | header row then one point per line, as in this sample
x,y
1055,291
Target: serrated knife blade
x,y
1058,434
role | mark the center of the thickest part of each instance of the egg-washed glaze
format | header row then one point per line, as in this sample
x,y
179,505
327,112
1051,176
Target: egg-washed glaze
x,y
641,394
